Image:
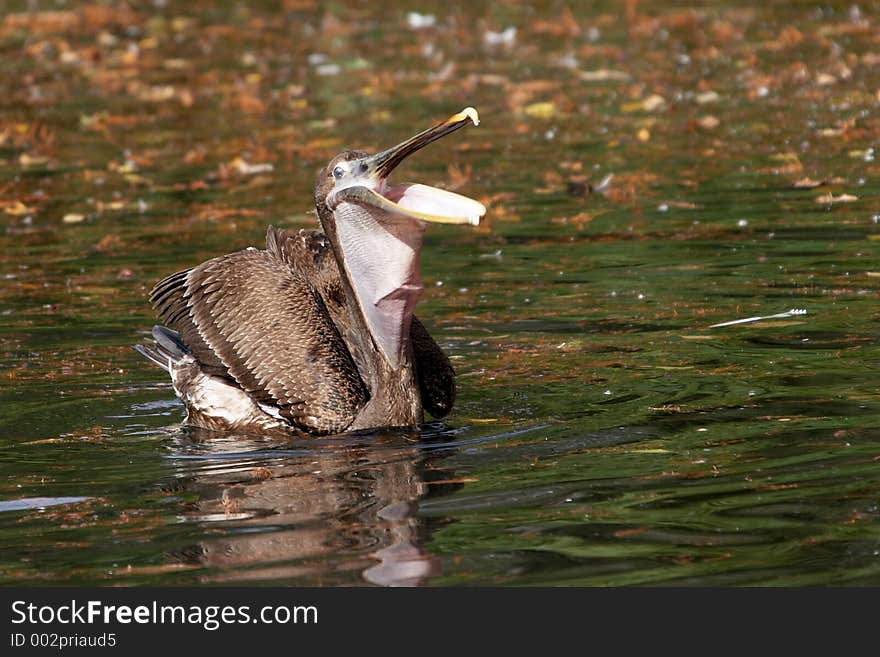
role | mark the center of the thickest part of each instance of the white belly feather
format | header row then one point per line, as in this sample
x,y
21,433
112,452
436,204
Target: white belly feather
x,y
213,403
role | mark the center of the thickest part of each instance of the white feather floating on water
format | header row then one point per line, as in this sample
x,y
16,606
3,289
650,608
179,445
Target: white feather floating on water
x,y
794,312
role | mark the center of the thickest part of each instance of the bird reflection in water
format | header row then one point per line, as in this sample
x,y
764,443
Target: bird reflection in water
x,y
316,514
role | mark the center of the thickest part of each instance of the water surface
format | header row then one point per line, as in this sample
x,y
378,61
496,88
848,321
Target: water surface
x,y
604,434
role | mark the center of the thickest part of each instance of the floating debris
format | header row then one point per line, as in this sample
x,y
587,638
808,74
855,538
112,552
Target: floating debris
x,y
604,185
708,122
794,312
707,97
328,69
417,21
542,110
247,169
653,103
505,38
807,183
603,74
831,198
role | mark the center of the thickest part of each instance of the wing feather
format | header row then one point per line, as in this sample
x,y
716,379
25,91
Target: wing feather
x,y
273,322
434,372
169,300
270,330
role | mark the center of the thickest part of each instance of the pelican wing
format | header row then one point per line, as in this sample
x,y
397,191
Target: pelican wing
x,y
433,370
263,322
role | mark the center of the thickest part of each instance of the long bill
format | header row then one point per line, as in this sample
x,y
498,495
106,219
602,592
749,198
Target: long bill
x,y
384,163
414,200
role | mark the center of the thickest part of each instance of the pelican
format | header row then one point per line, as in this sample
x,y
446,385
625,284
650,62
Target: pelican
x,y
315,334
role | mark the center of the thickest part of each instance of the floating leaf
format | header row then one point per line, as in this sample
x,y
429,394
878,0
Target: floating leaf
x,y
543,110
17,209
247,169
603,74
831,198
807,183
28,160
653,103
708,122
707,97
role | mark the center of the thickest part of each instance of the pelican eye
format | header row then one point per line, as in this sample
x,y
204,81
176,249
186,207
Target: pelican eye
x,y
338,172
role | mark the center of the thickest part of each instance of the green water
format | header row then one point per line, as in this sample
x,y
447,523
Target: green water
x,y
603,433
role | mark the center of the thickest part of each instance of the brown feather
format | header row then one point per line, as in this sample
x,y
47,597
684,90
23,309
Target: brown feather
x,y
276,323
434,372
310,253
172,307
277,339
271,331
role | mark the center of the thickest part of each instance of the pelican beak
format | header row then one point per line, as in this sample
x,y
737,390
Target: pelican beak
x,y
414,200
382,164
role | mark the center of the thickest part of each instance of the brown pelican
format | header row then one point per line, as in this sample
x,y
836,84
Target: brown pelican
x,y
316,333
